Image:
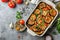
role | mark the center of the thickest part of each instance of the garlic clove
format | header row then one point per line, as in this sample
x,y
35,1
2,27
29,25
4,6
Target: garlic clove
x,y
11,25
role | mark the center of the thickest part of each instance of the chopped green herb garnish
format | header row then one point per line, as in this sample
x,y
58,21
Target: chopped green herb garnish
x,y
42,22
38,27
36,15
41,11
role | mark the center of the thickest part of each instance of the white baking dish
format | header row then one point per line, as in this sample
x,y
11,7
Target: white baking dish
x,y
51,4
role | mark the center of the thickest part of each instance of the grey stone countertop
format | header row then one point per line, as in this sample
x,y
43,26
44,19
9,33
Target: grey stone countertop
x,y
8,15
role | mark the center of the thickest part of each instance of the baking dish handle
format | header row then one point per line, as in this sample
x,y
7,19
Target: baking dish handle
x,y
31,32
49,2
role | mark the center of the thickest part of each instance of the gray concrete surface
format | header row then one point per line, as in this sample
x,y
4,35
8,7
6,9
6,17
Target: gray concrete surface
x,y
8,15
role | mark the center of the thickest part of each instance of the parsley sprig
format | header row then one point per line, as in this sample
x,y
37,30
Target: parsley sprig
x,y
18,15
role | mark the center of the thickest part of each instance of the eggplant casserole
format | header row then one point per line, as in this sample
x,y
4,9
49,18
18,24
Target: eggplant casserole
x,y
40,19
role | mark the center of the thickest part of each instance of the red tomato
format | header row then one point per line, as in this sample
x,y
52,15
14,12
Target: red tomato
x,y
22,22
19,1
40,21
49,7
11,4
4,0
46,24
45,8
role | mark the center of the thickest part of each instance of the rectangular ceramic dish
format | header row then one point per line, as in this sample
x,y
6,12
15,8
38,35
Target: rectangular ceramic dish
x,y
53,6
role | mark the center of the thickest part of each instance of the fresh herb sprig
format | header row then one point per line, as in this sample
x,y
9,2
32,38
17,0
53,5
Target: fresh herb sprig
x,y
41,11
18,15
58,25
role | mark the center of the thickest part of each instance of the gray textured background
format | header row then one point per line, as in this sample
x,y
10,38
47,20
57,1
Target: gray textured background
x,y
8,15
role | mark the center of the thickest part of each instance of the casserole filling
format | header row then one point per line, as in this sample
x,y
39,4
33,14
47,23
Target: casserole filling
x,y
40,19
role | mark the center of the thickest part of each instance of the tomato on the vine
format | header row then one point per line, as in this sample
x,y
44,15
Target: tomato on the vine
x,y
4,0
19,1
11,4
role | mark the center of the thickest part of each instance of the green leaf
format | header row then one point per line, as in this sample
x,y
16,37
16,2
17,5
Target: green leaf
x,y
58,25
18,15
58,19
18,12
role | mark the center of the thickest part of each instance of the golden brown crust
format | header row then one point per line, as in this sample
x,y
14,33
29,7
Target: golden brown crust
x,y
53,12
41,5
30,22
48,19
37,11
40,32
33,17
